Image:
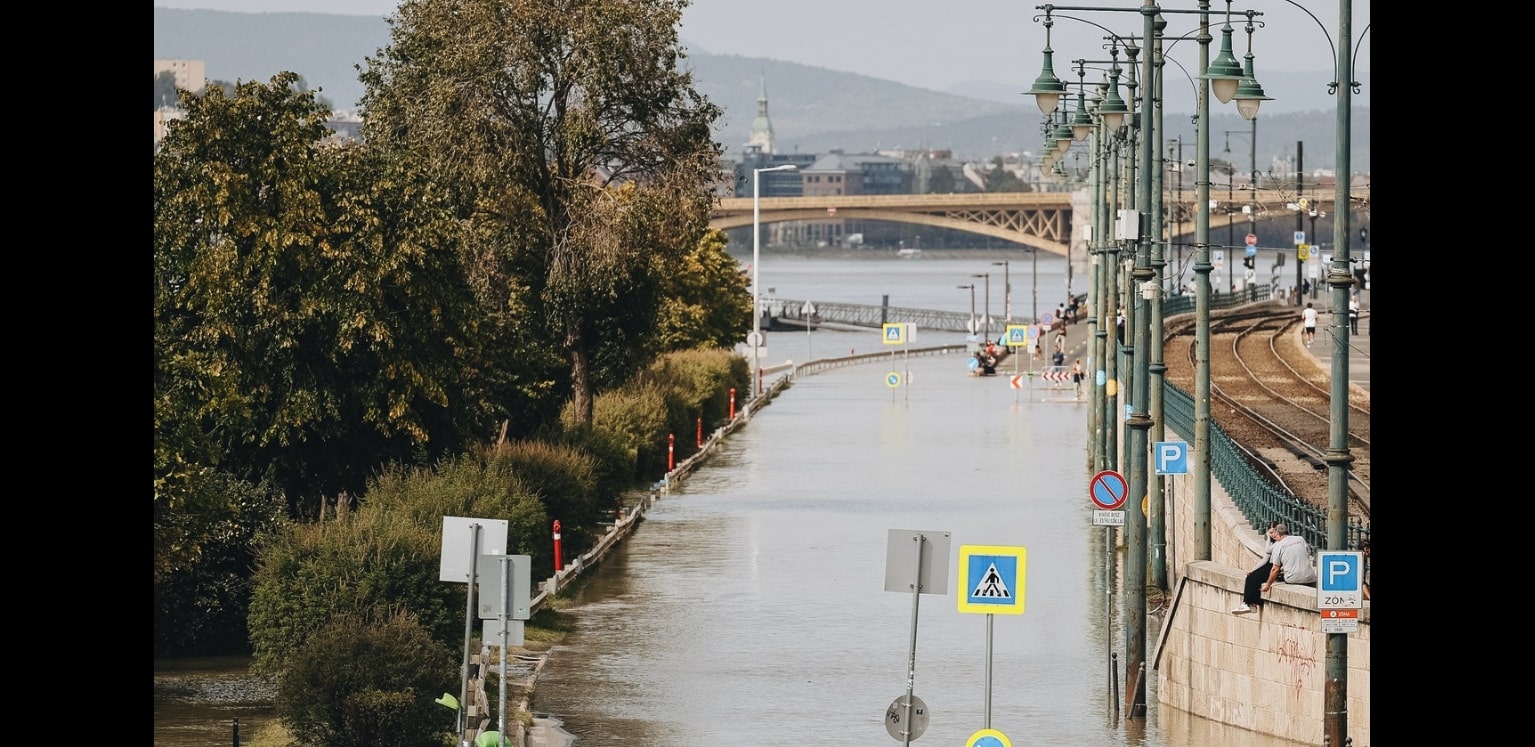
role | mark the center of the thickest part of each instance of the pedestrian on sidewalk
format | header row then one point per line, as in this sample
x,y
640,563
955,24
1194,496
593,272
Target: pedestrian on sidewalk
x,y
1308,323
1353,314
1077,374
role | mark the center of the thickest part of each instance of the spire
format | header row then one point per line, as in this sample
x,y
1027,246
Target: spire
x,y
762,128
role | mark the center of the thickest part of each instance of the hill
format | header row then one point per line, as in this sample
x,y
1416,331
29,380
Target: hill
x,y
812,109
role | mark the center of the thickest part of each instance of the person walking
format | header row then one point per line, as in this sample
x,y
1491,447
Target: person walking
x,y
1077,374
1308,323
1353,314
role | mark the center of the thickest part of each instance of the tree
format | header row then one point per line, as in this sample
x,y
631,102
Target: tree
x,y
165,89
708,299
576,151
307,326
999,179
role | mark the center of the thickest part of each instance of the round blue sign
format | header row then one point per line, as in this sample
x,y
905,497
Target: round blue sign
x,y
1109,490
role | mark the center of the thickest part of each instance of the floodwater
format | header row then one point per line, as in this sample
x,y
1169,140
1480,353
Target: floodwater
x,y
749,608
199,701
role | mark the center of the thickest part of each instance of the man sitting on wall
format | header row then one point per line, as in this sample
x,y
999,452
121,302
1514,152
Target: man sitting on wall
x,y
1288,560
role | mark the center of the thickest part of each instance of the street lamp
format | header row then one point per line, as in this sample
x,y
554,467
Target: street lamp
x,y
1007,291
1249,208
971,288
756,338
986,312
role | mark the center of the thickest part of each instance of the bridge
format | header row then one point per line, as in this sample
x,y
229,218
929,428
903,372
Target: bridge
x,y
787,312
1042,220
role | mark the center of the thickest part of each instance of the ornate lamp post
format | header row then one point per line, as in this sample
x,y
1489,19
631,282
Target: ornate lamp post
x,y
756,337
971,288
1007,291
986,312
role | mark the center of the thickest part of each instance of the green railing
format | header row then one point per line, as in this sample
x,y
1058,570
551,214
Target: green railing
x,y
1255,494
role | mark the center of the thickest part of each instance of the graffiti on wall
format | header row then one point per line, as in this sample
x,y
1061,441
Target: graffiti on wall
x,y
1294,649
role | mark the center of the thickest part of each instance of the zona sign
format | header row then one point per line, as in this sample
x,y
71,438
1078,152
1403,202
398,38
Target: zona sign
x,y
1108,490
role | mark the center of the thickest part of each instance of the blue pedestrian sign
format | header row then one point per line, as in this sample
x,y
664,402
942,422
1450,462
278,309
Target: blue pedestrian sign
x,y
895,334
1172,457
1340,580
991,579
1017,335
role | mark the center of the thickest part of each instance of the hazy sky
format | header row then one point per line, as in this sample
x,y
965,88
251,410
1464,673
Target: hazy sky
x,y
938,43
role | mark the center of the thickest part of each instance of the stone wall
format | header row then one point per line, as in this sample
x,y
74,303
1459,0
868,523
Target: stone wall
x,y
1265,671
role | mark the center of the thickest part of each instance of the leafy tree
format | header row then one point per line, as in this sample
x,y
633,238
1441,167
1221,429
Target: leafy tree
x,y
942,181
308,328
999,179
576,151
202,592
708,299
165,89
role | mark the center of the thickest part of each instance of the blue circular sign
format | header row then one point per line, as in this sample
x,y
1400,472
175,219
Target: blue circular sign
x,y
1109,490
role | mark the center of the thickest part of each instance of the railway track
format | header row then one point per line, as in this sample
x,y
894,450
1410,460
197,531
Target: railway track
x,y
1274,399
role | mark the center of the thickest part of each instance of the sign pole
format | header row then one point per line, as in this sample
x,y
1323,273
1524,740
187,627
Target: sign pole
x,y
989,619
911,666
463,695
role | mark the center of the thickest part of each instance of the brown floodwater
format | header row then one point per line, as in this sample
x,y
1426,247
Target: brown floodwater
x,y
199,701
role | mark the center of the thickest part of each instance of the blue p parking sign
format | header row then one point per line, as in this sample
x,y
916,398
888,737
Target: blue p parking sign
x,y
1340,580
1172,457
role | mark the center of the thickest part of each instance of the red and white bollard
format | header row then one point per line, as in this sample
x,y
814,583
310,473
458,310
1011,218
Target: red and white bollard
x,y
671,452
732,403
559,555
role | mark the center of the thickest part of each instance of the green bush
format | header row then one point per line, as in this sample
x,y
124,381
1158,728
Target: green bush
x,y
469,486
635,417
348,565
368,681
563,477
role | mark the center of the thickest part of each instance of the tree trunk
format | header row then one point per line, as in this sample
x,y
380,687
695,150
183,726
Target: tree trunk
x,y
580,377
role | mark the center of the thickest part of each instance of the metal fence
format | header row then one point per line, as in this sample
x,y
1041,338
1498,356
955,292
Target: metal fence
x,y
1258,496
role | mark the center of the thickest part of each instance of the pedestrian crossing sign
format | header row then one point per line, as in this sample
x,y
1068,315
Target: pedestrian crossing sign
x,y
991,579
1017,335
895,334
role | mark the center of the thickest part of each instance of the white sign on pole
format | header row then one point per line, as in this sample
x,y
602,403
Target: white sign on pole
x,y
456,538
515,632
491,584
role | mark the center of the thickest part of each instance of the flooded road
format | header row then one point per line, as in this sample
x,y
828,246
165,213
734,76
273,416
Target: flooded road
x,y
749,608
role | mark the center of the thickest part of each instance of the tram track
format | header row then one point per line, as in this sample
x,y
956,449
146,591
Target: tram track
x,y
1274,399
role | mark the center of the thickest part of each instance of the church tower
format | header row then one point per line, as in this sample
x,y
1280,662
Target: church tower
x,y
762,128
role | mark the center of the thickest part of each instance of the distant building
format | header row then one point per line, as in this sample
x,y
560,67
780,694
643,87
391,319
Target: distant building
x,y
762,128
189,74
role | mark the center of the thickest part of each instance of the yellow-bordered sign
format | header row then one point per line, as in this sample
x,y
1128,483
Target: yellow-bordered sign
x,y
894,334
991,579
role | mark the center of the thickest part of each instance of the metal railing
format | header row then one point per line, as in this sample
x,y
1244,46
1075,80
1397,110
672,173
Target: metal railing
x,y
1256,495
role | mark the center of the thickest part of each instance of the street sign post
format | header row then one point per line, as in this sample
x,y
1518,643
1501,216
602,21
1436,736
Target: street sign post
x,y
1108,491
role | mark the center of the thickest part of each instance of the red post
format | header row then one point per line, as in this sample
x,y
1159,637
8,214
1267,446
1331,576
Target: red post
x,y
618,509
671,452
559,556
700,433
732,403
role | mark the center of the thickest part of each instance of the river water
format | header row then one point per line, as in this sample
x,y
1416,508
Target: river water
x,y
749,607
